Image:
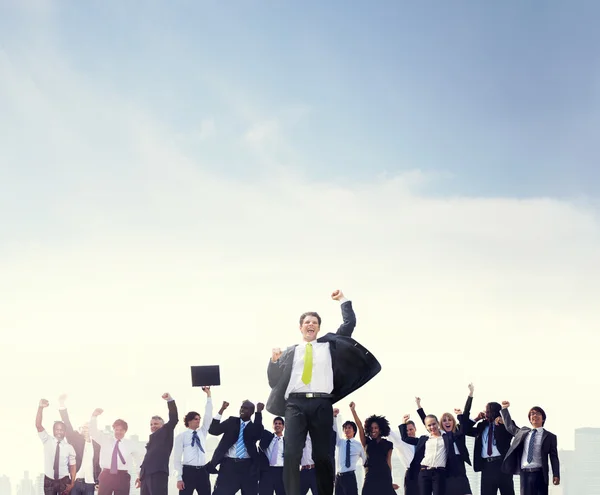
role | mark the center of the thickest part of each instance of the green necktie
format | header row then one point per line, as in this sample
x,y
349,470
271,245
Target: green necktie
x,y
307,371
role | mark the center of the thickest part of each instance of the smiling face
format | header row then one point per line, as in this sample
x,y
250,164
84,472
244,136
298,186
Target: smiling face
x,y
536,418
59,431
411,430
246,411
432,425
194,423
375,431
119,431
448,422
156,424
310,327
278,427
349,431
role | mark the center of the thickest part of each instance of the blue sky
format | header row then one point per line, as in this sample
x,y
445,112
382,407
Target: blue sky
x,y
491,99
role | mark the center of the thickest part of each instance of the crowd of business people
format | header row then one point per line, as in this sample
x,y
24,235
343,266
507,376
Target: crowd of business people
x,y
299,453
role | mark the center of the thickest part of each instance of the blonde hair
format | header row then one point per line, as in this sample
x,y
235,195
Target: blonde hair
x,y
451,416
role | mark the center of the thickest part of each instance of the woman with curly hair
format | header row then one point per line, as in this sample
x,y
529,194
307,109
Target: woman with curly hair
x,y
378,468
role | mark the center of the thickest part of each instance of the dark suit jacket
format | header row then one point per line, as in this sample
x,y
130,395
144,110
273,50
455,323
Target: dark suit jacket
x,y
77,440
419,443
512,460
266,438
459,440
501,436
230,429
353,365
160,445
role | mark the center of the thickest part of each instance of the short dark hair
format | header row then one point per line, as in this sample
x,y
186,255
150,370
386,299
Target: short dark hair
x,y
432,416
539,410
310,313
189,417
121,423
56,423
384,425
353,424
494,408
279,418
411,422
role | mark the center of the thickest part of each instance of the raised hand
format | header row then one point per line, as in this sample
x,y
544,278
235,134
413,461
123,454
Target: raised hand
x,y
62,398
336,411
207,391
97,412
352,406
276,354
223,407
471,389
418,401
259,407
505,404
44,403
167,396
336,295
406,418
481,415
499,421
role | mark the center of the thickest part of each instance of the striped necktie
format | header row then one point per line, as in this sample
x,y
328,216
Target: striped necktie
x,y
531,445
240,448
196,440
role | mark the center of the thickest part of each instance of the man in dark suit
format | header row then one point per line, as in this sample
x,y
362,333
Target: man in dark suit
x,y
306,380
492,442
236,453
529,452
154,473
271,459
87,453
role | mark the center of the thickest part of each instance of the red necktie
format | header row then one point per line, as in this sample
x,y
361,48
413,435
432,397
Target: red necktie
x,y
490,439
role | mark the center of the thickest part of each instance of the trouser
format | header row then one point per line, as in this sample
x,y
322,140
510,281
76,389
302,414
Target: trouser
x,y
411,485
155,484
345,483
83,488
55,487
302,416
493,479
195,478
308,481
234,475
271,481
432,481
533,483
114,484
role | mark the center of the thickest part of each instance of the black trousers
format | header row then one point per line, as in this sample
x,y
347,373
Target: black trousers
x,y
493,479
411,486
114,484
302,416
432,481
271,481
236,474
55,487
195,478
83,488
155,484
533,483
345,483
308,481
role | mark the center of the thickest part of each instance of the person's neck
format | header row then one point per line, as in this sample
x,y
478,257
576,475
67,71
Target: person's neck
x,y
280,434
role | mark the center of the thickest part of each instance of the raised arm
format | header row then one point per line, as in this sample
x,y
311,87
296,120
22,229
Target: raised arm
x,y
404,432
258,421
509,424
359,425
468,426
38,417
95,433
337,421
208,410
420,411
217,427
348,316
64,415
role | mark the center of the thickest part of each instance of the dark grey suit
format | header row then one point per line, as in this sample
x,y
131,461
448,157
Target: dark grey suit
x,y
512,460
353,366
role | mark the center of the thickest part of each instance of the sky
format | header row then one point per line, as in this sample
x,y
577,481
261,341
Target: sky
x,y
179,182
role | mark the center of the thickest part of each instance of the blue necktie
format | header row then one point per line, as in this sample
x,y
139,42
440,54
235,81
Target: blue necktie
x,y
530,451
196,440
240,448
348,453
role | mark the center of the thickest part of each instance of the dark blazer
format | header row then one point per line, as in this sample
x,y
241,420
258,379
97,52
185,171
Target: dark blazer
x,y
459,440
353,365
266,438
501,436
77,440
160,445
230,429
512,460
419,443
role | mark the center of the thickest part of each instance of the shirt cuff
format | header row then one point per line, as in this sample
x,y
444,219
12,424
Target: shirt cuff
x,y
343,300
217,416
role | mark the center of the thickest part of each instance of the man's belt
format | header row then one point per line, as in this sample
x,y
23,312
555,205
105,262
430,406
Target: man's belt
x,y
346,472
429,468
307,467
492,459
310,395
531,470
194,467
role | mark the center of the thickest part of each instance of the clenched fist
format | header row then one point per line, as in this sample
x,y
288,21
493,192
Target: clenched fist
x,y
44,403
97,412
276,354
505,404
259,407
336,295
167,396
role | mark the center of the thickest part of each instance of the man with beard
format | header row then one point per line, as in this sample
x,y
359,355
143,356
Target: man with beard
x,y
492,442
59,456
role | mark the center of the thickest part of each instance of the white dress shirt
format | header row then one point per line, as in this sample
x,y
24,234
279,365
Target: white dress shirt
x,y
536,462
232,452
86,471
484,444
357,452
183,452
405,451
307,459
66,454
269,451
435,452
131,452
322,370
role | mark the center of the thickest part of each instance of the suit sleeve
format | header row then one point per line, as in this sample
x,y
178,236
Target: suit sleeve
x,y
554,458
468,425
421,414
274,372
404,436
218,427
349,320
64,416
509,424
173,415
265,440
258,425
